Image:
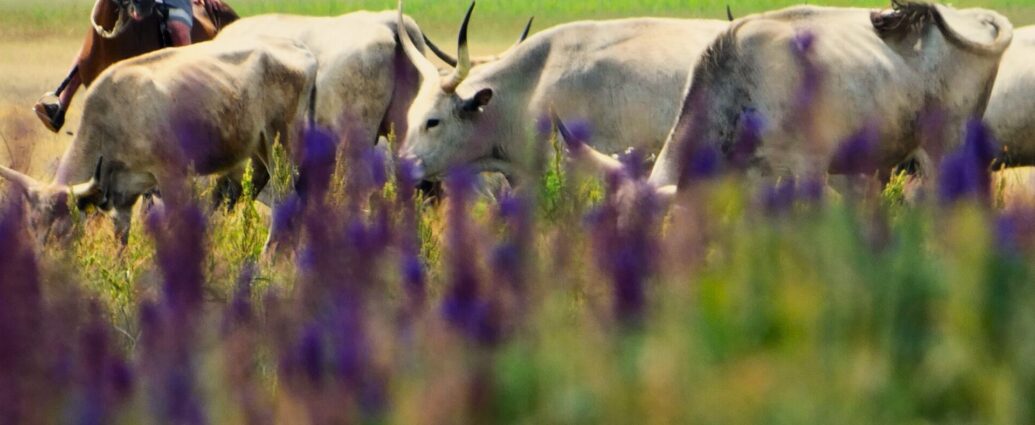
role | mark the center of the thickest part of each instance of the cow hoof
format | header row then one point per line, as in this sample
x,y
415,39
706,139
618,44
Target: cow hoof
x,y
51,115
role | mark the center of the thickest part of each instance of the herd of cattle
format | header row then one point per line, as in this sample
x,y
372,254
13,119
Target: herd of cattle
x,y
802,80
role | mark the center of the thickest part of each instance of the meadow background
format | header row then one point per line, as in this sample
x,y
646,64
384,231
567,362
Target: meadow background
x,y
745,304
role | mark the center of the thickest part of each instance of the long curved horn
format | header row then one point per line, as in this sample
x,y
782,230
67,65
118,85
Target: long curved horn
x,y
83,190
528,29
463,57
21,180
426,68
120,25
449,60
580,150
729,13
92,186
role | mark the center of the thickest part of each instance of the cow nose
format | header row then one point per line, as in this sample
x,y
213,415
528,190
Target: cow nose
x,y
418,168
416,164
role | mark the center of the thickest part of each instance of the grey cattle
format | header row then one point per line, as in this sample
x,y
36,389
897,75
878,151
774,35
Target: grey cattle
x,y
364,82
624,77
879,70
210,105
1011,109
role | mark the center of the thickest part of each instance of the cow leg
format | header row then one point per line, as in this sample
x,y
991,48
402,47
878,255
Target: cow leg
x,y
230,187
123,217
228,191
53,114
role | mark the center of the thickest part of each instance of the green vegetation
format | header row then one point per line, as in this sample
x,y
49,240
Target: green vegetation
x,y
496,20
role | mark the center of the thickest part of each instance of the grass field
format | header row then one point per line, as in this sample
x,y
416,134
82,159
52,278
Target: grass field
x,y
743,304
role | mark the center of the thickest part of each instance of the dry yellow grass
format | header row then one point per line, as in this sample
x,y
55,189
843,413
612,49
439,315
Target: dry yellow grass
x,y
29,68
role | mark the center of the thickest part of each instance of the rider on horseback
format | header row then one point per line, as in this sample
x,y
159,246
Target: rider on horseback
x,y
177,21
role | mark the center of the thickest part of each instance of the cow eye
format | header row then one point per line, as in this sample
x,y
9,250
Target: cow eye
x,y
432,123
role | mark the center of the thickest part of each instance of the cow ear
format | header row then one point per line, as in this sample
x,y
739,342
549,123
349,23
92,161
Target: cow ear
x,y
476,103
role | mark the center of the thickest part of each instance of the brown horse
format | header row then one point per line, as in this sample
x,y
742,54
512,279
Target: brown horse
x,y
115,36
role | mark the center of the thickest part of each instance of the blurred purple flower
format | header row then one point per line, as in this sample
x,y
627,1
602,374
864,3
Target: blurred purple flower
x,y
623,232
311,355
462,306
239,312
317,165
965,173
705,163
696,152
803,42
413,279
180,248
811,190
376,160
579,133
544,126
21,313
181,404
857,154
286,219
749,138
779,198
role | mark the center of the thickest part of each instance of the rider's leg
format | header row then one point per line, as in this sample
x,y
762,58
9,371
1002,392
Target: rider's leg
x,y
65,98
53,114
181,19
179,32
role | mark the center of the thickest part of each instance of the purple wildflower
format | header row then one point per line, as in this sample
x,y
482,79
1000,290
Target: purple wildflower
x,y
749,138
310,354
779,197
462,306
180,248
239,312
413,279
811,190
623,238
317,165
544,126
376,160
286,220
579,133
695,161
182,405
705,163
856,155
965,172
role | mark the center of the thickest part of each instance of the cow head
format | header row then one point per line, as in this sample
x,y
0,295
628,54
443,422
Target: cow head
x,y
442,122
50,203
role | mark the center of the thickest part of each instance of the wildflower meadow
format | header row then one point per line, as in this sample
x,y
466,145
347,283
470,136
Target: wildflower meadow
x,y
580,298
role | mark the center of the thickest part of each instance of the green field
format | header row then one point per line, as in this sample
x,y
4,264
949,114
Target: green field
x,y
494,19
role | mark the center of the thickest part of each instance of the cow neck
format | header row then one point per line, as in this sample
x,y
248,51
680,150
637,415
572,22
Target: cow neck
x,y
513,79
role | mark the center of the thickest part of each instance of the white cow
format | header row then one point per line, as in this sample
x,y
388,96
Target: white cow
x,y
859,68
1011,109
210,106
623,76
364,82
